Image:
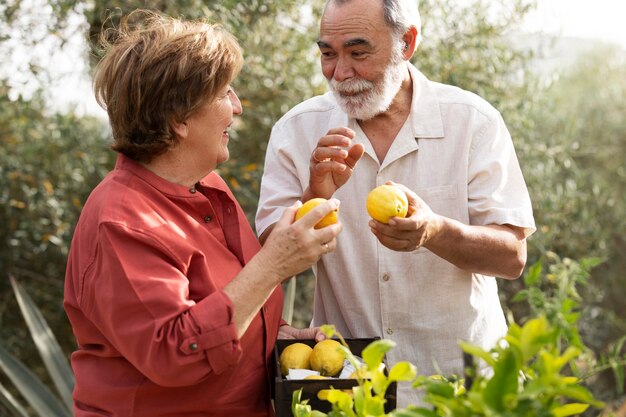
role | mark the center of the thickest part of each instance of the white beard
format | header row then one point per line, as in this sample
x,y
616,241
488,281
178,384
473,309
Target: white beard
x,y
370,99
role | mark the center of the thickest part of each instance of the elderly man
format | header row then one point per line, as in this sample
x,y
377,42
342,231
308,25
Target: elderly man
x,y
427,280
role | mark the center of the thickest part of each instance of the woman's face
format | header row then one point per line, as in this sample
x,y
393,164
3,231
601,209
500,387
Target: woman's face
x,y
207,138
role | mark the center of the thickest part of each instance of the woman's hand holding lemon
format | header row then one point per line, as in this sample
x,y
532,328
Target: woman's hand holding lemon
x,y
293,246
401,233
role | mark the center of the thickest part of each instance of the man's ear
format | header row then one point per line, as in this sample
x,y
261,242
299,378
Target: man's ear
x,y
410,42
180,129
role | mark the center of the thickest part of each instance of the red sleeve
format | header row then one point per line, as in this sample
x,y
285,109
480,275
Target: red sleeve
x,y
137,294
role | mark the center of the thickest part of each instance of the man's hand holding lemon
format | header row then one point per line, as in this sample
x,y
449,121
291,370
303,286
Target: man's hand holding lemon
x,y
397,229
332,162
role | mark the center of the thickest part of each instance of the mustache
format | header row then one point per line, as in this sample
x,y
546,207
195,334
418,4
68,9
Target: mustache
x,y
351,85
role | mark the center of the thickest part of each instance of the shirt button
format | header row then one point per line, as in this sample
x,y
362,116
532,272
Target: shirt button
x,y
229,210
207,219
193,346
389,330
192,190
386,277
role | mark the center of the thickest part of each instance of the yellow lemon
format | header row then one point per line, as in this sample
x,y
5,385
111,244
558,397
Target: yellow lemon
x,y
330,218
327,358
323,393
385,202
361,373
315,377
295,356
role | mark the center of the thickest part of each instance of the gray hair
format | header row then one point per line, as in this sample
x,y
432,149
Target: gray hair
x,y
399,15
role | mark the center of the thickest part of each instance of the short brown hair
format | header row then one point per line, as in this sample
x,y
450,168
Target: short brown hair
x,y
158,70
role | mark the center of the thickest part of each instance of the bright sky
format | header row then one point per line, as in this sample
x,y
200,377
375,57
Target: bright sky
x,y
600,19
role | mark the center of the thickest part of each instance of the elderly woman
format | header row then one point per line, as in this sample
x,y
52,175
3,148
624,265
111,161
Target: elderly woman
x,y
174,304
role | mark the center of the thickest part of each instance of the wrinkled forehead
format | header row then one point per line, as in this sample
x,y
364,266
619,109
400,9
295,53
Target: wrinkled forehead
x,y
354,21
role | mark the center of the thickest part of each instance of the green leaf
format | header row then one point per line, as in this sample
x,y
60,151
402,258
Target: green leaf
x,y
533,276
10,403
503,382
520,296
477,352
349,356
34,391
439,388
359,399
341,400
53,357
579,393
301,410
380,383
374,353
413,411
535,334
328,329
569,410
403,371
374,406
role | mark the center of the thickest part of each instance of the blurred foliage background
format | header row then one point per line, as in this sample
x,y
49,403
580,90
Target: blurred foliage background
x,y
567,124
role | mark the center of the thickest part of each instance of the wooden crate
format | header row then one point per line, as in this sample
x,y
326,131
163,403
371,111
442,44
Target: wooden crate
x,y
283,388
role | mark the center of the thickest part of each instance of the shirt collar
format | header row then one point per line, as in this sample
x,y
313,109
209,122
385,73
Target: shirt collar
x,y
124,163
425,116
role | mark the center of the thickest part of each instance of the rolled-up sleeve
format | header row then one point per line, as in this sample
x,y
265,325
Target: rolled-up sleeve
x,y
217,335
497,192
137,294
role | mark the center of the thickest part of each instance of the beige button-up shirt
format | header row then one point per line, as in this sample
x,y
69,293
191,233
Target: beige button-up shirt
x,y
456,153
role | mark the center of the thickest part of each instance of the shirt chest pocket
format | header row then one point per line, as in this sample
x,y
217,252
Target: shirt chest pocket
x,y
444,200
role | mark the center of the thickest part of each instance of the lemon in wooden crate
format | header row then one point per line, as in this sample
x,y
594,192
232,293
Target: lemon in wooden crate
x,y
327,358
295,356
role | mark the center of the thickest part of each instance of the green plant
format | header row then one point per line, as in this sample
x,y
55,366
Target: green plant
x,y
554,293
538,369
526,376
42,401
368,398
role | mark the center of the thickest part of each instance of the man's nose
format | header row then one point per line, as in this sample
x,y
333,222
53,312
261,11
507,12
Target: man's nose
x,y
343,70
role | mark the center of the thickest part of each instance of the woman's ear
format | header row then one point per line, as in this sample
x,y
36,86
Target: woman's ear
x,y
180,129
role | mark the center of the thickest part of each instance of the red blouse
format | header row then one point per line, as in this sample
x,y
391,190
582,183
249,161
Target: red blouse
x,y
143,293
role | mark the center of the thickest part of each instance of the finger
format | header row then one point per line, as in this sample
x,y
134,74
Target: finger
x,y
308,333
330,166
317,213
289,214
284,333
324,153
410,195
334,140
319,335
394,243
354,154
343,131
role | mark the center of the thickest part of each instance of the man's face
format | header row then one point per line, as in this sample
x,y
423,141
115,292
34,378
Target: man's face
x,y
361,60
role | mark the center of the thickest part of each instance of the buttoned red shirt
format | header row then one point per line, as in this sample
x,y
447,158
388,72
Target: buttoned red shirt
x,y
143,292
